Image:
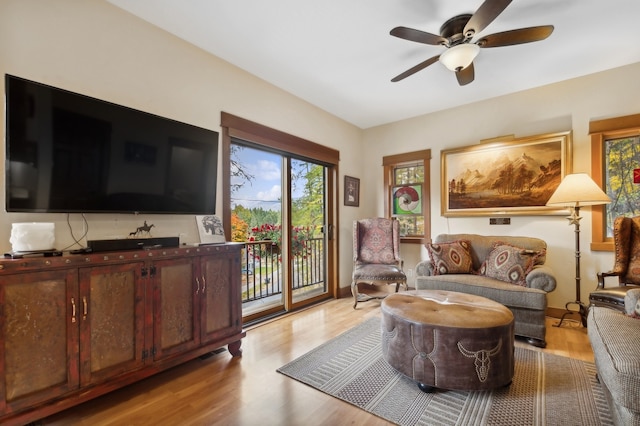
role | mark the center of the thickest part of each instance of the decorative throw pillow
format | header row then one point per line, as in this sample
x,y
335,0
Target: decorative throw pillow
x,y
632,303
451,258
509,263
636,310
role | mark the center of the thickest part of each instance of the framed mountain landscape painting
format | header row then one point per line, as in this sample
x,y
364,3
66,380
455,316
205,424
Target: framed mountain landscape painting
x,y
510,177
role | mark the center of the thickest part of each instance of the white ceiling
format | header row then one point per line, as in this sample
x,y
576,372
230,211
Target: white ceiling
x,y
339,56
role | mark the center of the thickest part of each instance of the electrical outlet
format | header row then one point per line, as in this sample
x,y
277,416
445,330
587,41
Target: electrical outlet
x,y
409,273
500,221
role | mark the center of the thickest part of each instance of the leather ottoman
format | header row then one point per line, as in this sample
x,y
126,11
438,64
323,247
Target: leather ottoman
x,y
448,340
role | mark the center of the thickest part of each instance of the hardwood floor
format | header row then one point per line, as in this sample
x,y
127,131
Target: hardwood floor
x,y
247,390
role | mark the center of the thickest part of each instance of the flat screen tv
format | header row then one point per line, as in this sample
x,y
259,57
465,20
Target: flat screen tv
x,y
71,153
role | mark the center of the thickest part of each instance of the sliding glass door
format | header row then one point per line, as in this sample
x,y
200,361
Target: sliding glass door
x,y
307,237
279,199
278,209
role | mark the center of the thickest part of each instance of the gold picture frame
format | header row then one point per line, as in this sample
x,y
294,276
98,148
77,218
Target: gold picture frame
x,y
511,177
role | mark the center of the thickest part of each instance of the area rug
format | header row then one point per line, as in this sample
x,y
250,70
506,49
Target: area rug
x,y
546,390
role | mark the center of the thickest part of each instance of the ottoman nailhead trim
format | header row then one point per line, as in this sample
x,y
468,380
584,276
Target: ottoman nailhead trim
x,y
481,359
387,336
423,355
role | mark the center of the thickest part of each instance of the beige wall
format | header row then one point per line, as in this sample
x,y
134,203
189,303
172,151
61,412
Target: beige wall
x,y
559,107
92,47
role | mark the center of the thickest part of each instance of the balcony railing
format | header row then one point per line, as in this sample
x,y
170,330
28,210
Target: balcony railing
x,y
262,274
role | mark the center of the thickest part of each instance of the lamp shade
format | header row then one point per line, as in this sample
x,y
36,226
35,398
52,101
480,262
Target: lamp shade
x,y
459,57
578,190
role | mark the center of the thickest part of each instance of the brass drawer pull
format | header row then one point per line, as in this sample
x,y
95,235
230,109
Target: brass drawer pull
x,y
73,310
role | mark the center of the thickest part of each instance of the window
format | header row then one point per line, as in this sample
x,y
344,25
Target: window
x,y
406,182
615,161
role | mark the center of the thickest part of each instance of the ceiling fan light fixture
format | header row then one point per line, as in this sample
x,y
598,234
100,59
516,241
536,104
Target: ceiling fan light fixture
x,y
460,56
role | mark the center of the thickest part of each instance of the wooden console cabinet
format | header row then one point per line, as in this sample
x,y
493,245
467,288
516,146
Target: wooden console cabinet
x,y
75,327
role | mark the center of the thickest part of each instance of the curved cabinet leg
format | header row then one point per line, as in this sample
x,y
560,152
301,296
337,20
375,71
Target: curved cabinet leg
x,y
234,348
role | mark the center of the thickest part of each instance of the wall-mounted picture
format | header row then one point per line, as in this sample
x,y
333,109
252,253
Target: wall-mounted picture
x,y
210,229
351,191
406,200
515,177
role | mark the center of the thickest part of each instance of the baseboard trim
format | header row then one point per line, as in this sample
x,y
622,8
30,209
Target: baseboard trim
x,y
344,292
559,312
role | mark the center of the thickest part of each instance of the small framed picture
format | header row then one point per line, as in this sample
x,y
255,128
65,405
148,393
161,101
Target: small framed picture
x,y
351,191
210,230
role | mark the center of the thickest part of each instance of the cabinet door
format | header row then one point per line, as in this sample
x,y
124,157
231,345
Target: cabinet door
x,y
111,315
175,307
39,337
220,296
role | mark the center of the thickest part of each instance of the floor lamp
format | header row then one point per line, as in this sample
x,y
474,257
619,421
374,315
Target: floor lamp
x,y
575,191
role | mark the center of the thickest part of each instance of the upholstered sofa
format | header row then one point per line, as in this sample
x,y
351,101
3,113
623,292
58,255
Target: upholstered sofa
x,y
507,269
616,348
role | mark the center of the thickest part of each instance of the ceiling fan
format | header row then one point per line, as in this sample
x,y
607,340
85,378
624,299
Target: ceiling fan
x,y
457,36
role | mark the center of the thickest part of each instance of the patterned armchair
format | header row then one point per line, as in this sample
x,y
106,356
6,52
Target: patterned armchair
x,y
376,259
626,238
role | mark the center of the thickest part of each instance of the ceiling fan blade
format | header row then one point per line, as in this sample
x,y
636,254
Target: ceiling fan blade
x,y
486,13
520,36
418,36
466,75
419,67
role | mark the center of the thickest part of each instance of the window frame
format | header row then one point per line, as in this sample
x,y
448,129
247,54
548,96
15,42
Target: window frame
x,y
259,135
390,163
600,131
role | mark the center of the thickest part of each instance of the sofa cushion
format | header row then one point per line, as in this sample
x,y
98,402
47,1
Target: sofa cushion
x,y
509,263
613,337
632,302
508,294
451,258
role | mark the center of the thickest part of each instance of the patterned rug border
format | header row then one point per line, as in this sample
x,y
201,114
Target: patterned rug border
x,y
547,389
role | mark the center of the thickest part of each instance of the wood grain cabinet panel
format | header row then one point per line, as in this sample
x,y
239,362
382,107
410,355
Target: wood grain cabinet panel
x,y
175,329
112,313
39,337
75,327
220,316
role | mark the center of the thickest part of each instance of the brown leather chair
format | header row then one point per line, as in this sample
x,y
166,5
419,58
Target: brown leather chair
x,y
376,259
626,238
